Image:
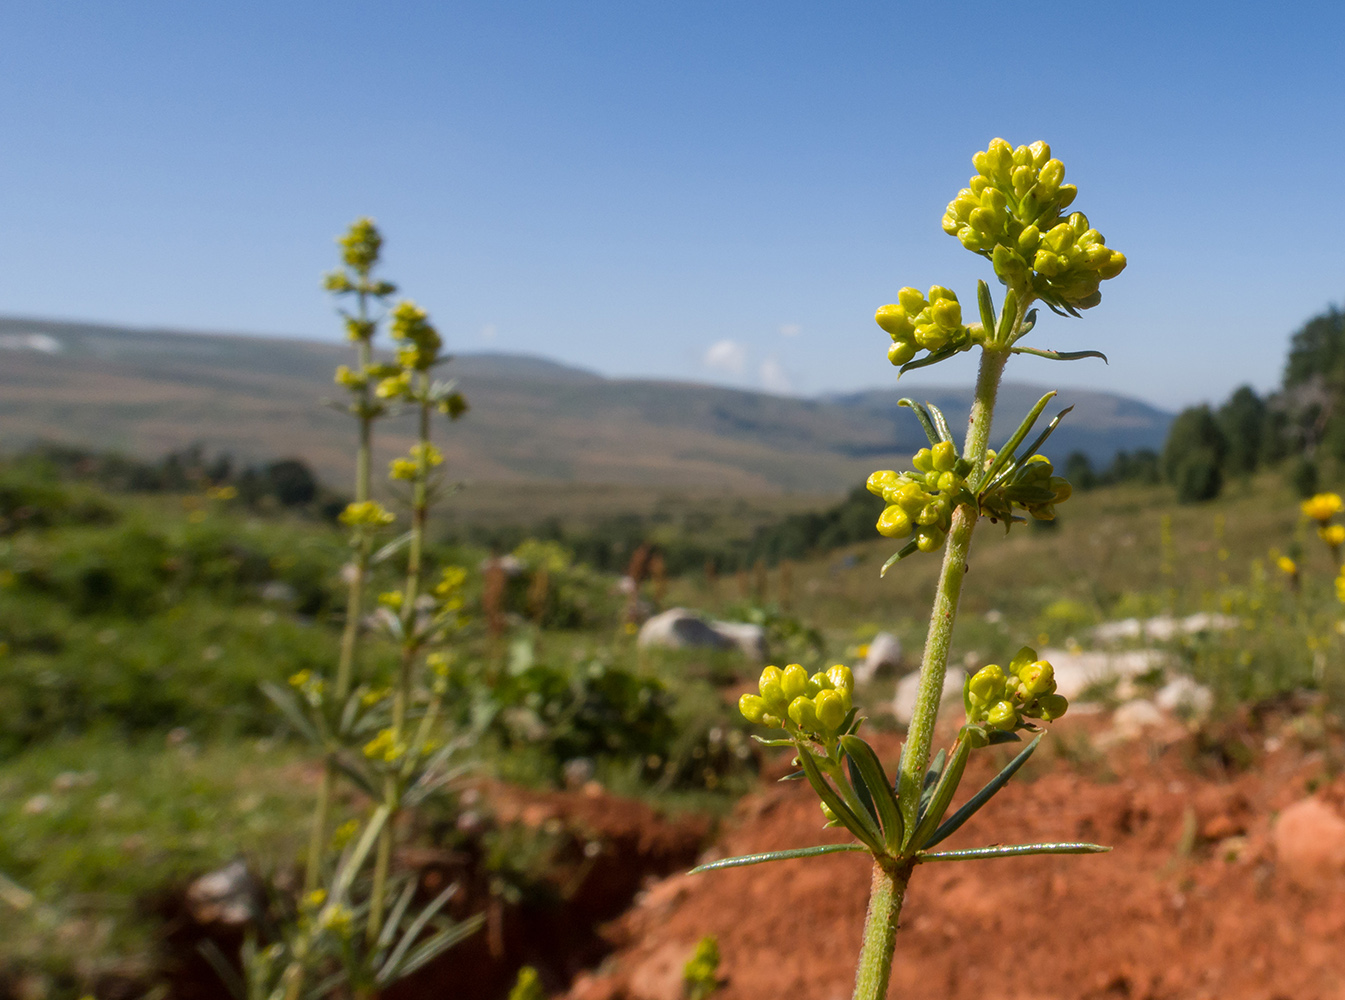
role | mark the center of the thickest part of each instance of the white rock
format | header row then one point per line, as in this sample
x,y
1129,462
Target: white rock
x,y
682,628
1183,696
1132,718
903,704
749,638
229,895
1162,628
884,654
1077,671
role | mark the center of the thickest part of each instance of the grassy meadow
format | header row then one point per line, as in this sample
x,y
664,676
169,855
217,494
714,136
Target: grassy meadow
x,y
137,749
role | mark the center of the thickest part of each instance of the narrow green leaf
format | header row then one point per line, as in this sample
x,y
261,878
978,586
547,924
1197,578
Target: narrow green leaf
x,y
289,708
862,827
772,743
881,794
1035,446
1060,355
439,943
861,788
392,548
1011,851
1005,454
998,736
922,415
1029,322
1006,317
927,360
897,557
940,422
943,794
987,306
794,776
355,860
756,859
984,795
852,722
932,779
394,919
391,968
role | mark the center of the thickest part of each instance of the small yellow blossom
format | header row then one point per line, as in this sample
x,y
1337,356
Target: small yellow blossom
x,y
368,513
1287,566
1322,507
1333,535
391,599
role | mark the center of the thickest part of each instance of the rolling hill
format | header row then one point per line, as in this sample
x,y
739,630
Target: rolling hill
x,y
532,420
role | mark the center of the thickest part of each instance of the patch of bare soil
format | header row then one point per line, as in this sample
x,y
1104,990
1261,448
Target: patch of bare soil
x,y
1227,881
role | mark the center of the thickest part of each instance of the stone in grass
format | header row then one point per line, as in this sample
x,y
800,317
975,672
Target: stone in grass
x,y
903,704
231,895
884,655
681,628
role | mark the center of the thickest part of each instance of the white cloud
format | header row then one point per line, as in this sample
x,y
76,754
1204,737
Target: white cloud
x,y
790,330
726,356
488,332
773,377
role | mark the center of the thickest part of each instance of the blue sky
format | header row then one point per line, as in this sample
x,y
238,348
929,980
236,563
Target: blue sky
x,y
686,190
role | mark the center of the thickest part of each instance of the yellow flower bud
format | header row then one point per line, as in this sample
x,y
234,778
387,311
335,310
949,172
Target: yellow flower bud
x,y
894,320
842,679
1052,706
793,682
753,707
1002,715
1038,679
987,685
881,481
943,456
830,709
929,539
901,352
803,710
912,300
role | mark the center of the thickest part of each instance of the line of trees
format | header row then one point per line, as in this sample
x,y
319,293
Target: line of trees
x,y
1303,421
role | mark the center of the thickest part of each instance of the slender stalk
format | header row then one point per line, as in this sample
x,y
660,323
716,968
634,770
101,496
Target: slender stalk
x,y
920,738
410,651
890,877
880,928
345,667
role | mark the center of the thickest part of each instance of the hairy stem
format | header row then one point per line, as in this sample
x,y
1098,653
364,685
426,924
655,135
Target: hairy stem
x,y
880,928
401,699
345,667
920,735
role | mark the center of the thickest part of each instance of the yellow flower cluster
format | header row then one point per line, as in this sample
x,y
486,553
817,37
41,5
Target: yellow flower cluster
x,y
999,700
420,342
922,501
366,514
1012,211
932,323
1034,487
385,747
817,706
409,468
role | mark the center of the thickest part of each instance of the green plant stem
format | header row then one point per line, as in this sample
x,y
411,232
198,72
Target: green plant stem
x,y
401,698
345,667
880,928
890,876
920,738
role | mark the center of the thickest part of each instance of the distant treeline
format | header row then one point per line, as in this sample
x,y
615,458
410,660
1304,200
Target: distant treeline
x,y
286,483
1296,427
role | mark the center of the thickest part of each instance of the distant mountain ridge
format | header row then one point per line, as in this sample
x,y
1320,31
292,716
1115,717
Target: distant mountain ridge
x,y
532,419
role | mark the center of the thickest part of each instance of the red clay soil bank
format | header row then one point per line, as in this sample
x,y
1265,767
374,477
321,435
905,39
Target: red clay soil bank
x,y
1221,885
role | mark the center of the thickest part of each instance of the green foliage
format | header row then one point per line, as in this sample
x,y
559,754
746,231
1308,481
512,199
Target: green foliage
x,y
700,975
1242,421
1194,454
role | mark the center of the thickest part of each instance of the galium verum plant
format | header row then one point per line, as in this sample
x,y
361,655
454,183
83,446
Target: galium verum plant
x,y
1014,213
355,932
